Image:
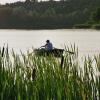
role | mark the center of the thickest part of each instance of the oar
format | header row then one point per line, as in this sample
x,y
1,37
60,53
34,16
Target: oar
x,y
66,51
55,48
70,52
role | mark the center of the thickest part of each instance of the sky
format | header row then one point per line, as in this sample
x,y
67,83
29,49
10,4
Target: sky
x,y
9,1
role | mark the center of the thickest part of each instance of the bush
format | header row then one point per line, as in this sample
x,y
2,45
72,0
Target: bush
x,y
83,26
96,26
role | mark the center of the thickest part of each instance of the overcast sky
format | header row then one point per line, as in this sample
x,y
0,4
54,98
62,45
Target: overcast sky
x,y
9,1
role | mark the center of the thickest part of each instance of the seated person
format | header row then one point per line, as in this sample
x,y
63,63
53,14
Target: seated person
x,y
48,45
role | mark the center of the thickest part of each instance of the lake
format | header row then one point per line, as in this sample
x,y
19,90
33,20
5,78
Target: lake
x,y
88,41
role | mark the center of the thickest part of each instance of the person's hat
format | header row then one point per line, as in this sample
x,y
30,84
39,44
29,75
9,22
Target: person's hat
x,y
47,40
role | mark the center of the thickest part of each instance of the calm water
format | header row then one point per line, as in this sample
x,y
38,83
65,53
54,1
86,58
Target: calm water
x,y
88,41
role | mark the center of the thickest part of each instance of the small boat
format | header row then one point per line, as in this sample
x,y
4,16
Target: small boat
x,y
43,52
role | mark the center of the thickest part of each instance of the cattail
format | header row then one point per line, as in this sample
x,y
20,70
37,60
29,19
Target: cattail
x,y
7,52
28,70
3,51
62,60
34,74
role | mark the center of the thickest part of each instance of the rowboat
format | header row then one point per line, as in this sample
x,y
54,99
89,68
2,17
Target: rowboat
x,y
43,52
54,52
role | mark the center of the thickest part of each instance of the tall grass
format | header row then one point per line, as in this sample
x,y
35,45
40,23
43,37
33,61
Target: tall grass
x,y
30,77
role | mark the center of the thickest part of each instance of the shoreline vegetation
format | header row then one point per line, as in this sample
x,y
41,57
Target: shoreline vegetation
x,y
64,14
30,77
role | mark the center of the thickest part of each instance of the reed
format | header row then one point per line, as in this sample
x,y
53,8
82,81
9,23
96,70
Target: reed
x,y
30,77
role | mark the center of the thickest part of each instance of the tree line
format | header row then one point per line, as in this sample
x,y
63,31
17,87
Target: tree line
x,y
32,14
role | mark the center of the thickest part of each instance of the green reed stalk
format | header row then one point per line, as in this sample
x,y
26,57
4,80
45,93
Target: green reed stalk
x,y
30,77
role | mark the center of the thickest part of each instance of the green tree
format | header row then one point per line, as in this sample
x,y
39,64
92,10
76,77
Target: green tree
x,y
34,0
27,1
50,12
19,11
5,14
96,15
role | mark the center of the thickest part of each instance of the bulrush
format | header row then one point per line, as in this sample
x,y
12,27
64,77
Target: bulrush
x,y
3,51
74,81
33,74
29,72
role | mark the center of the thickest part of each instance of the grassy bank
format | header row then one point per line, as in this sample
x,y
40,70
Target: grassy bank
x,y
28,77
87,26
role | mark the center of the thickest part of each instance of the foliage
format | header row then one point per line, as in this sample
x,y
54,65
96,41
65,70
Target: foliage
x,y
30,77
96,26
49,14
83,26
96,15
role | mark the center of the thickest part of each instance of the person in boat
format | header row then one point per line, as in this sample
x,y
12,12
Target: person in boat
x,y
48,45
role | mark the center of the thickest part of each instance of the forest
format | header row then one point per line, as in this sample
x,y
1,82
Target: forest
x,y
34,14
